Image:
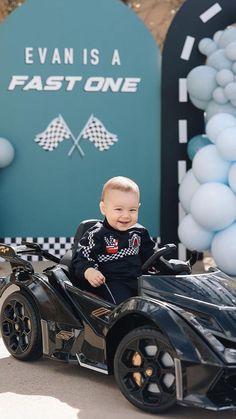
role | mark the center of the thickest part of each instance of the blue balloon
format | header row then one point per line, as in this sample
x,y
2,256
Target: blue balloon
x,y
195,144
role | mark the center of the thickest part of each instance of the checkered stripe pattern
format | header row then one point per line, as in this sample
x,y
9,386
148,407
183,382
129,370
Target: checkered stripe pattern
x,y
54,245
129,251
87,249
54,134
97,133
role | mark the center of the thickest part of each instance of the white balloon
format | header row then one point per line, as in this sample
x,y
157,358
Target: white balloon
x,y
232,177
219,60
223,249
213,206
188,187
219,95
228,36
225,76
230,51
230,91
214,108
207,46
226,143
218,123
208,165
193,236
6,152
201,81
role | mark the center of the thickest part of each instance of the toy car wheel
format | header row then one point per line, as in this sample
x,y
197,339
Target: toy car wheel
x,y
20,327
144,370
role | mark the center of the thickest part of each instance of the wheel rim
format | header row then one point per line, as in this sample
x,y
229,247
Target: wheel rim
x,y
16,327
146,372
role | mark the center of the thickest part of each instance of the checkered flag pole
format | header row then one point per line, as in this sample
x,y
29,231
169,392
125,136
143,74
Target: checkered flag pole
x,y
54,134
95,132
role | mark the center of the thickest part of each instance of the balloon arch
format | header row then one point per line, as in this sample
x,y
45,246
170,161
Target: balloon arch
x,y
199,124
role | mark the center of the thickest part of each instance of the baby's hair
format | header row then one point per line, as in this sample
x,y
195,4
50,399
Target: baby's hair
x,y
120,183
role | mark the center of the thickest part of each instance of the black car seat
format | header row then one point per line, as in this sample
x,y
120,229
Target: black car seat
x,y
62,271
82,228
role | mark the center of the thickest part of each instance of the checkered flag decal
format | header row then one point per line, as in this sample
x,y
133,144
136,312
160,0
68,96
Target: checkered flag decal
x,y
97,133
119,255
54,134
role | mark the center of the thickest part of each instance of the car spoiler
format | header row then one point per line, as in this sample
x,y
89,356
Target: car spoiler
x,y
12,254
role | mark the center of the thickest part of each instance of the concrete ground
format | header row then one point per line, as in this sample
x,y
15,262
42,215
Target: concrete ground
x,y
48,389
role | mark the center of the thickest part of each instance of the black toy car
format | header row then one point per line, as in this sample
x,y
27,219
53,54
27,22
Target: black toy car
x,y
174,343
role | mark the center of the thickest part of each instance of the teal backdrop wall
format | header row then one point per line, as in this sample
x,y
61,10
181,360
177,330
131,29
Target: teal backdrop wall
x,y
76,58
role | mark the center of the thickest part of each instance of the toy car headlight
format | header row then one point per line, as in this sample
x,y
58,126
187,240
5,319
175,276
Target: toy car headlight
x,y
214,334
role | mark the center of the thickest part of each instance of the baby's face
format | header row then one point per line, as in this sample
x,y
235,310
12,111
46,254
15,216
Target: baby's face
x,y
120,208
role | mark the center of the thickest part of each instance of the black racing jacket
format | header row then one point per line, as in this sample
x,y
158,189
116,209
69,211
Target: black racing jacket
x,y
117,254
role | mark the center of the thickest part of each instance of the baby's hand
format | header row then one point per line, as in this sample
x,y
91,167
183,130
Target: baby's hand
x,y
94,277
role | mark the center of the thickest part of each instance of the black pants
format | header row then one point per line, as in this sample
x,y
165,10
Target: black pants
x,y
114,291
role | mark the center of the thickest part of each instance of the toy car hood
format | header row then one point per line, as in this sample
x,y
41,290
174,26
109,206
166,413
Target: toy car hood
x,y
207,301
209,288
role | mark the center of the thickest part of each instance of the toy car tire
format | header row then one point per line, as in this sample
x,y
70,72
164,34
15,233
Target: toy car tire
x,y
144,370
20,327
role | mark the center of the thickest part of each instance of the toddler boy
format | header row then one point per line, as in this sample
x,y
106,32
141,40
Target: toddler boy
x,y
110,255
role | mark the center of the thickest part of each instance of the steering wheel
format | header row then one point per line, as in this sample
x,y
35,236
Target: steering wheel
x,y
165,250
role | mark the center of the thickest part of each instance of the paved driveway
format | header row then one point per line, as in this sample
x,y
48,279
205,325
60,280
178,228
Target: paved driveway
x,y
53,390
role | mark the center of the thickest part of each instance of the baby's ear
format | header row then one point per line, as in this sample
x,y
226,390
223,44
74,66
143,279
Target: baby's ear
x,y
102,207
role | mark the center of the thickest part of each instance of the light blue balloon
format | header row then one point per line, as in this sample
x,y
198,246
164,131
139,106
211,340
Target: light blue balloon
x,y
226,143
223,249
6,153
230,51
217,36
233,68
218,123
209,166
200,104
230,91
187,188
193,236
219,60
232,177
227,36
195,144
201,82
225,76
207,46
213,206
214,108
219,96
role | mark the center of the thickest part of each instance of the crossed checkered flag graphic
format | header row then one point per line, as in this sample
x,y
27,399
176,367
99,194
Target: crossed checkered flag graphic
x,y
97,133
94,131
53,135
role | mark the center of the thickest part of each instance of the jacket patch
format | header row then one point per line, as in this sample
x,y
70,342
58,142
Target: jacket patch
x,y
111,245
135,241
